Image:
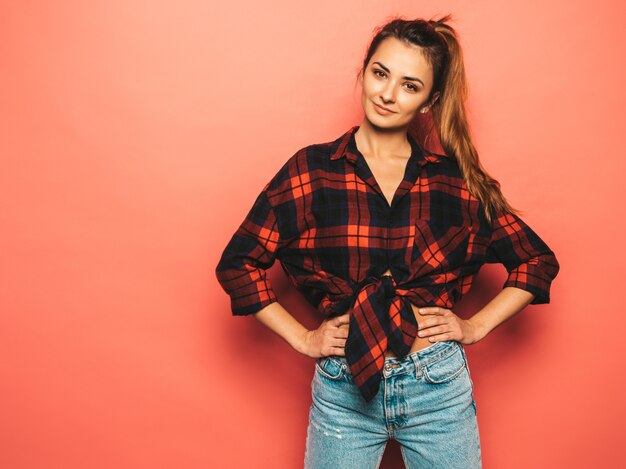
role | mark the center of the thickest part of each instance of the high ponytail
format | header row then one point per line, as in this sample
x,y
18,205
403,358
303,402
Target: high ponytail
x,y
448,121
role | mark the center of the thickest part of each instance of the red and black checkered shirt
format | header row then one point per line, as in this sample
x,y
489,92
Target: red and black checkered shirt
x,y
324,217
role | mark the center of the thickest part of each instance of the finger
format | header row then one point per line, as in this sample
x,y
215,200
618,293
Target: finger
x,y
341,345
438,333
339,342
440,337
343,319
422,329
432,310
334,350
430,330
432,322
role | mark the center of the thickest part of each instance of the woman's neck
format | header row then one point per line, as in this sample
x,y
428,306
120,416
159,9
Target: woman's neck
x,y
382,143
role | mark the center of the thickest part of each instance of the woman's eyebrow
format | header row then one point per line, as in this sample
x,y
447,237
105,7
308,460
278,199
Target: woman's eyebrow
x,y
405,77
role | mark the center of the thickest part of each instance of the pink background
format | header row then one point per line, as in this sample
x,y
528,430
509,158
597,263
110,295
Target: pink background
x,y
134,137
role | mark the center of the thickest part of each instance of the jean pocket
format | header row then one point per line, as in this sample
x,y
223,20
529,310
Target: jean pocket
x,y
445,368
330,368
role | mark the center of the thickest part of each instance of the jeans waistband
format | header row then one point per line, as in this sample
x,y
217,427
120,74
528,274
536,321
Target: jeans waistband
x,y
415,360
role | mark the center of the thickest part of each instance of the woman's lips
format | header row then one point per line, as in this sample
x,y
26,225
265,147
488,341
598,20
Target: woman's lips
x,y
381,110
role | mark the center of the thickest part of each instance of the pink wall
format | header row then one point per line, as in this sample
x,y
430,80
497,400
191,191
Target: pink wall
x,y
134,137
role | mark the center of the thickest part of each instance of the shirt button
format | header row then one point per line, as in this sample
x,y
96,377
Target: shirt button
x,y
387,367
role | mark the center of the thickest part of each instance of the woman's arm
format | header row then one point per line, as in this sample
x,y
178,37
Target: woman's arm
x,y
278,319
440,323
529,261
328,339
531,267
506,304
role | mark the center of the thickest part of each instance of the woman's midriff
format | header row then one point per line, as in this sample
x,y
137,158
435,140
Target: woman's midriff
x,y
419,342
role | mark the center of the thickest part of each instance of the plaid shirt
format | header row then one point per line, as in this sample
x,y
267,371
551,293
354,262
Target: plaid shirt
x,y
324,217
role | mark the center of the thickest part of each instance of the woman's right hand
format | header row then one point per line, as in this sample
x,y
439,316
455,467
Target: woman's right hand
x,y
328,339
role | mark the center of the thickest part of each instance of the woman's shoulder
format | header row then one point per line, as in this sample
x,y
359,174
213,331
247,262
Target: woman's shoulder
x,y
447,165
314,157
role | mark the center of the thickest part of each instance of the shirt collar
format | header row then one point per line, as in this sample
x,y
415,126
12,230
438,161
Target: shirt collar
x,y
346,146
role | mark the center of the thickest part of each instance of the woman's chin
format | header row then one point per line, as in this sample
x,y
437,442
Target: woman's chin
x,y
380,122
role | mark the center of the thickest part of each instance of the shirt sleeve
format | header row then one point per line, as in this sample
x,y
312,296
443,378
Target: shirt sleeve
x,y
252,250
530,263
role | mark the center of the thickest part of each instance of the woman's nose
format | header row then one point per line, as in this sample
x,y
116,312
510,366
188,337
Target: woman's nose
x,y
389,92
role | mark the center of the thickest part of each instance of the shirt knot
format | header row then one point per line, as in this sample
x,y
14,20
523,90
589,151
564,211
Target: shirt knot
x,y
388,285
381,319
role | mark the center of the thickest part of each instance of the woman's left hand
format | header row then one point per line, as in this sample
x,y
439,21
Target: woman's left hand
x,y
439,324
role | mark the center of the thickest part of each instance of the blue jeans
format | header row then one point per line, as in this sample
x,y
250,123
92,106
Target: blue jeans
x,y
425,402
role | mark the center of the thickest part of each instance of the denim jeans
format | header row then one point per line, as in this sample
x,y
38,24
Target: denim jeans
x,y
425,402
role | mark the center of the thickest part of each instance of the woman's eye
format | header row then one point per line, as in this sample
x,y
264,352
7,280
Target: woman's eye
x,y
412,87
377,72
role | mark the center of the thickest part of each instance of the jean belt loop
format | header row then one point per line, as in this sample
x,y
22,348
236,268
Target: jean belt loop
x,y
418,367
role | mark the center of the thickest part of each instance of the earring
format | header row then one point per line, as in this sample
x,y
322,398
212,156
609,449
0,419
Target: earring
x,y
424,110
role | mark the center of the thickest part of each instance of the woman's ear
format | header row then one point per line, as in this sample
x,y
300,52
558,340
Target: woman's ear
x,y
434,98
427,107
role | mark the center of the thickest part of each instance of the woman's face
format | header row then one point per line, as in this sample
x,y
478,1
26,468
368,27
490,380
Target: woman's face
x,y
399,78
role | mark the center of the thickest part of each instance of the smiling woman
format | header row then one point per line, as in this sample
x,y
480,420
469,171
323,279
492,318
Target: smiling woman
x,y
380,82
384,237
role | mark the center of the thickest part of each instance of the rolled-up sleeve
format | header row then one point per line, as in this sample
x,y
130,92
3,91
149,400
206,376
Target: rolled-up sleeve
x,y
530,263
241,270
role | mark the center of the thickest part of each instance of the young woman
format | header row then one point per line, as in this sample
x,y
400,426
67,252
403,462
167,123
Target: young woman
x,y
384,237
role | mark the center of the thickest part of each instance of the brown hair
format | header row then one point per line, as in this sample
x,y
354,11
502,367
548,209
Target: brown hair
x,y
441,47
